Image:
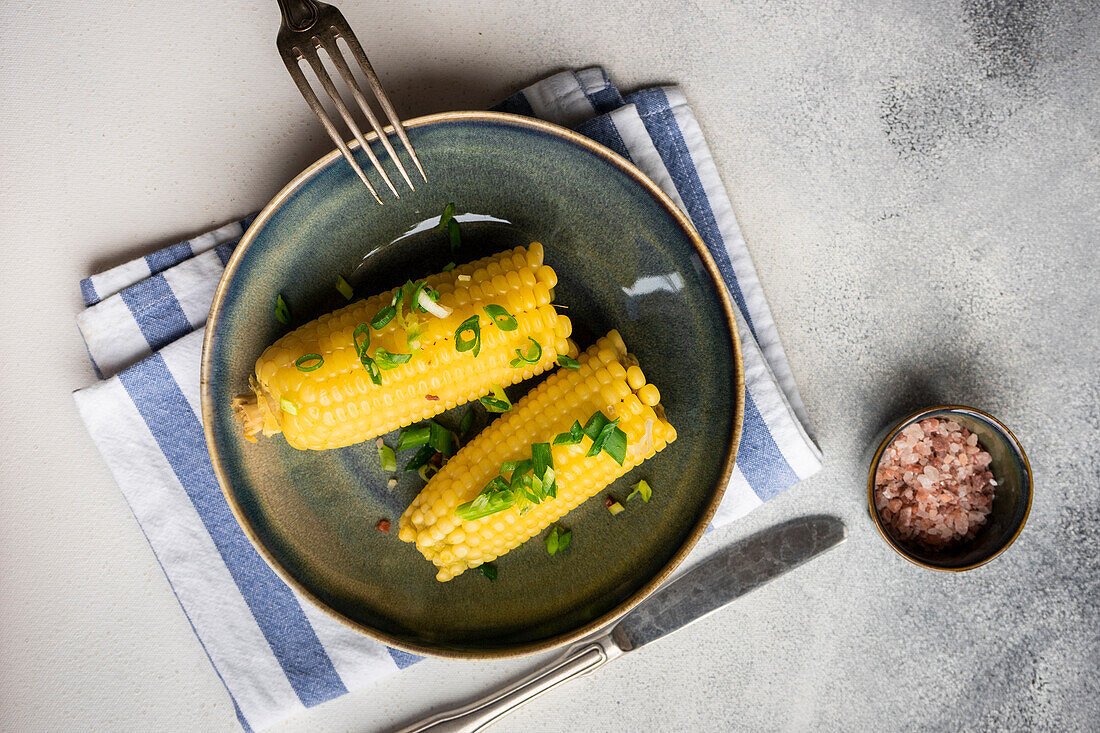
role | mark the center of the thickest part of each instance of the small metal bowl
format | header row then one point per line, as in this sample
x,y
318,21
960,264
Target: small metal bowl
x,y
1011,498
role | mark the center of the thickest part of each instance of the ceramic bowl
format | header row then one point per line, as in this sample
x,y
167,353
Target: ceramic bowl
x,y
626,258
1011,498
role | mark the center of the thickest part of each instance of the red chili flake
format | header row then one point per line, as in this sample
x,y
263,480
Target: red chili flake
x,y
436,460
431,397
383,526
609,502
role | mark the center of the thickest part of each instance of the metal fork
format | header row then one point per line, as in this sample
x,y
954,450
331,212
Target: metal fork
x,y
309,25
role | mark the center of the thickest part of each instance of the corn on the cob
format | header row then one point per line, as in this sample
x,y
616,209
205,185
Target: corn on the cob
x,y
608,380
338,404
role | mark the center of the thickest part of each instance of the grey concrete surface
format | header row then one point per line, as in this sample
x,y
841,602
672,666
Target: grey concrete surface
x,y
919,184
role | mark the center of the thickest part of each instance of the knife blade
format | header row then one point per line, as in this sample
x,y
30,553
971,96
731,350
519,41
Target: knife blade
x,y
728,575
717,581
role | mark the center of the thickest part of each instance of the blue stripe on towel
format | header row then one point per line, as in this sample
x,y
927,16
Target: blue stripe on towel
x,y
516,104
225,251
759,457
605,99
661,125
403,659
156,310
602,129
179,435
87,291
162,259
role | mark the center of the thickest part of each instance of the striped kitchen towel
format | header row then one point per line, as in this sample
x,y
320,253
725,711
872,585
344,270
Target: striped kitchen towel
x,y
143,325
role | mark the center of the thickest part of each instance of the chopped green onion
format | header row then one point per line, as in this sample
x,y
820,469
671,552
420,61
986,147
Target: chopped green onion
x,y
387,458
414,437
412,337
427,471
382,317
612,441
641,489
573,437
448,267
568,362
533,355
414,301
495,497
462,343
615,445
499,402
502,319
489,571
558,540
371,366
288,406
528,488
448,214
282,310
344,288
550,483
361,330
453,234
420,459
509,466
519,470
439,438
552,542
564,539
467,422
386,360
595,425
399,303
542,458
304,362
428,300
614,507
496,485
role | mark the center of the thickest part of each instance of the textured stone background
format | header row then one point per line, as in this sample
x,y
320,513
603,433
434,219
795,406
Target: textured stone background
x,y
919,184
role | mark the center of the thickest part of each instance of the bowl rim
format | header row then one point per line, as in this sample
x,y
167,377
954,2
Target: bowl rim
x,y
696,533
892,433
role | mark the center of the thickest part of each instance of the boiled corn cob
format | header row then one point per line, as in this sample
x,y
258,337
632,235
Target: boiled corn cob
x,y
337,403
608,380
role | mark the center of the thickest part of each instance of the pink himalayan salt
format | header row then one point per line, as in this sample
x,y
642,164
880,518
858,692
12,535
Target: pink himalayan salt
x,y
933,486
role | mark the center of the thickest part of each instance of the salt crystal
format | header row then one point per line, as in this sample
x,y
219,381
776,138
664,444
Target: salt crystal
x,y
913,432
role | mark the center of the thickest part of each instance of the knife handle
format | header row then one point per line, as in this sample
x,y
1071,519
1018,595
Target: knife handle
x,y
578,661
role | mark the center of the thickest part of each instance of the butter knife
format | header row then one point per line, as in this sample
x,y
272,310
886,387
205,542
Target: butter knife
x,y
723,578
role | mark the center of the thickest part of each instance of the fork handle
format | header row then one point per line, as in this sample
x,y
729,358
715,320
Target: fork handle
x,y
299,15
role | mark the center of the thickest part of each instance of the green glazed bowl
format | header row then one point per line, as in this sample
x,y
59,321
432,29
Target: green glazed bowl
x,y
626,258
1011,498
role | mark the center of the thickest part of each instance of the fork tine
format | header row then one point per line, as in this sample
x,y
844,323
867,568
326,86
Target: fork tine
x,y
345,72
380,94
314,60
322,116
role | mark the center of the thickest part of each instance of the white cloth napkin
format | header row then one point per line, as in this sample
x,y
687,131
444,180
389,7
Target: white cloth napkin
x,y
143,325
